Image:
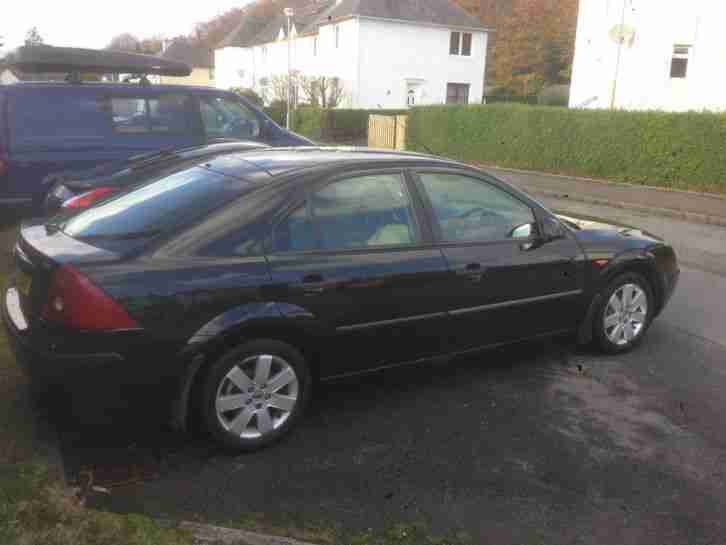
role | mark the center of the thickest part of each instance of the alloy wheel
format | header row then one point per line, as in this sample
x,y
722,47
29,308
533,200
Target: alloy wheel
x,y
257,396
625,314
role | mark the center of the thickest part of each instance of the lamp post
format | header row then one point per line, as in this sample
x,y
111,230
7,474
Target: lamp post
x,y
289,14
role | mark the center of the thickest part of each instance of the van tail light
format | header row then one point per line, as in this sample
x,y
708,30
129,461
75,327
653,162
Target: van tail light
x,y
3,168
74,301
84,200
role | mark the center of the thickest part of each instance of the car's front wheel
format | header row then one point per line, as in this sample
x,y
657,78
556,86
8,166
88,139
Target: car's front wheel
x,y
625,313
255,394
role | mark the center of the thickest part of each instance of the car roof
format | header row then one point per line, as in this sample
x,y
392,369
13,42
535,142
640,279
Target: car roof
x,y
278,161
109,86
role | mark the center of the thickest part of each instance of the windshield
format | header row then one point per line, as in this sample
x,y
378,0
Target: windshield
x,y
169,203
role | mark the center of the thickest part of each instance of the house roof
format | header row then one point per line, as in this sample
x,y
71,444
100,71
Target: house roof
x,y
311,14
194,54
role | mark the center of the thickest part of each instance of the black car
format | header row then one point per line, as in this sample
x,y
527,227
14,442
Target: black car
x,y
74,190
233,285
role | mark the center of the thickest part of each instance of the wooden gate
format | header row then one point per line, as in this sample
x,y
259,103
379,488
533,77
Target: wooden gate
x,y
387,131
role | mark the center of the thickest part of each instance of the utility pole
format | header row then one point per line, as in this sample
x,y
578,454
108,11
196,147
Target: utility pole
x,y
621,39
289,14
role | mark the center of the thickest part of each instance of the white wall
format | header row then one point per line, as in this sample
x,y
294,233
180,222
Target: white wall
x,y
374,60
394,53
643,75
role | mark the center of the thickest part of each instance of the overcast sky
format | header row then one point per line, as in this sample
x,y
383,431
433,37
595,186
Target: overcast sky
x,y
92,23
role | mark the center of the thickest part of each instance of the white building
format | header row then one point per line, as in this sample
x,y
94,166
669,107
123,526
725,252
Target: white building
x,y
650,55
386,53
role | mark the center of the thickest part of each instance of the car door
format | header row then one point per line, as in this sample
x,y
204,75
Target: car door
x,y
507,281
225,118
353,256
147,120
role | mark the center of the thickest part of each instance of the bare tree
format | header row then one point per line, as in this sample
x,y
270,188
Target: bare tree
x,y
281,84
33,37
125,42
322,91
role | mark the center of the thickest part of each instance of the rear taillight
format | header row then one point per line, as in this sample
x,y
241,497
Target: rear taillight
x,y
74,301
86,199
3,167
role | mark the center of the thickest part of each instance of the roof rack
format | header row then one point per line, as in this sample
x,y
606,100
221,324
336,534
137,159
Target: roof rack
x,y
44,58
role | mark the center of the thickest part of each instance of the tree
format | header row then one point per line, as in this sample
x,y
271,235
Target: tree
x,y
33,37
534,45
322,91
211,32
125,42
249,94
152,45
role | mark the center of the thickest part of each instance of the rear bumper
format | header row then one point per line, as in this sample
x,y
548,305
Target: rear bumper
x,y
40,361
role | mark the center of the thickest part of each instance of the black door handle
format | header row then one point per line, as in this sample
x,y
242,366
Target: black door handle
x,y
312,284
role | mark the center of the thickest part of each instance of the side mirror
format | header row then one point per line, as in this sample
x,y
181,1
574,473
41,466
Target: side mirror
x,y
522,231
552,229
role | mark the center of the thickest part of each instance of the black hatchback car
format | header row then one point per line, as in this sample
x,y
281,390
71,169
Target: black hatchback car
x,y
232,285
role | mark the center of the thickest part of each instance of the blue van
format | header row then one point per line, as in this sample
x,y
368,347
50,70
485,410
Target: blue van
x,y
74,125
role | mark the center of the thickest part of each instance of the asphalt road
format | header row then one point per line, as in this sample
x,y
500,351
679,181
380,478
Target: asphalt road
x,y
541,443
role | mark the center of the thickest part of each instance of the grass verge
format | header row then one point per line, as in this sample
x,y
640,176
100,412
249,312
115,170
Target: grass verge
x,y
36,508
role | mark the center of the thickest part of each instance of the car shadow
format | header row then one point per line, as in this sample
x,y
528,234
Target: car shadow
x,y
123,445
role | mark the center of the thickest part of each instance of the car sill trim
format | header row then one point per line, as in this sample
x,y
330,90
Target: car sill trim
x,y
367,325
516,302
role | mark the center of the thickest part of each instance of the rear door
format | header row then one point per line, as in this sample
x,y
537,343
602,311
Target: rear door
x,y
507,283
144,120
353,255
4,158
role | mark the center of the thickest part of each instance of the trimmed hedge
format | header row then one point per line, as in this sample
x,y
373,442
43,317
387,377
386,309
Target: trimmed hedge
x,y
336,125
679,150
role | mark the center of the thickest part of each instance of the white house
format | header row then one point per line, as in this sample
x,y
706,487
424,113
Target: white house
x,y
650,55
387,54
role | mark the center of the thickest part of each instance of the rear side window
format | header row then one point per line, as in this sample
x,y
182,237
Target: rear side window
x,y
161,206
48,119
159,114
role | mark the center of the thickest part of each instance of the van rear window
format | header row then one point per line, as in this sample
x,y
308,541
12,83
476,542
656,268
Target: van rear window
x,y
164,205
55,120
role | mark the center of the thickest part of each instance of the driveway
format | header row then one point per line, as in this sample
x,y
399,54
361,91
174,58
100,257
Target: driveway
x,y
540,443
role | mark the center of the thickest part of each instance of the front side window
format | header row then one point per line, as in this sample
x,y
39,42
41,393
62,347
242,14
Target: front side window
x,y
679,62
360,212
457,93
225,118
471,210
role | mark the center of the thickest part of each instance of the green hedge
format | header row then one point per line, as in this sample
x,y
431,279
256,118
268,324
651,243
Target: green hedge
x,y
652,148
337,125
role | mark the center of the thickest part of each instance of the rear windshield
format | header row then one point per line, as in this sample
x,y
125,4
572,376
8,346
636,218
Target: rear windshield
x,y
164,205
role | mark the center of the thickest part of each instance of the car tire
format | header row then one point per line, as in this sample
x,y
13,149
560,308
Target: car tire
x,y
255,394
625,313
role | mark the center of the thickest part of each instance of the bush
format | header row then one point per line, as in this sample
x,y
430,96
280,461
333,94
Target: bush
x,y
249,94
652,148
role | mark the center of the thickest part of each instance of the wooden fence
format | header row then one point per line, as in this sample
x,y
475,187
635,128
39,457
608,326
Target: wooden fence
x,y
387,131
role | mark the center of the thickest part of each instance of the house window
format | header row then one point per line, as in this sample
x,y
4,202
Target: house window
x,y
337,36
466,44
679,62
454,43
457,93
315,46
460,44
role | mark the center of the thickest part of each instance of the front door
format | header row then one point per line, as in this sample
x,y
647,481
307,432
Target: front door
x,y
507,283
350,258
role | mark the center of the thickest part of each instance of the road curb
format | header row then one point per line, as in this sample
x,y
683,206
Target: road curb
x,y
204,534
693,217
601,181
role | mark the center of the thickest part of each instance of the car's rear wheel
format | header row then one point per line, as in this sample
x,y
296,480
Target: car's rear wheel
x,y
625,313
255,394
